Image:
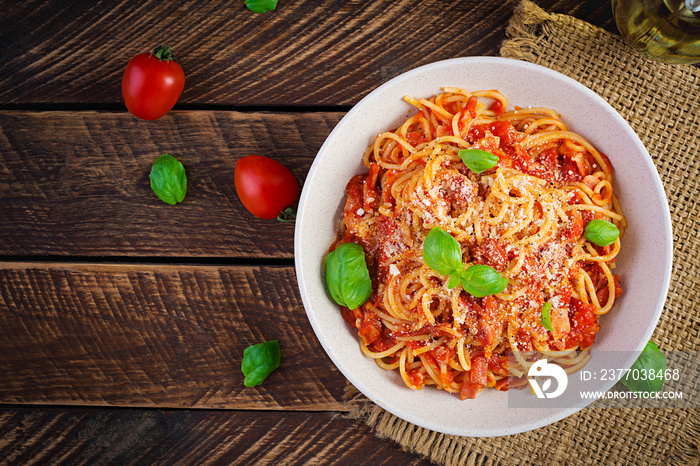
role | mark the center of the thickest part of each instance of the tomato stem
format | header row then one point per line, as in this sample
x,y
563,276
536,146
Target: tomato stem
x,y
163,52
288,215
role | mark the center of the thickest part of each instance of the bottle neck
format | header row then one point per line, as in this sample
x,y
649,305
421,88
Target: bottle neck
x,y
693,5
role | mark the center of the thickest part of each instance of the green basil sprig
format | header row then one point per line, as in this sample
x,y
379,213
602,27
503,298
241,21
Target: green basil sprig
x,y
261,6
651,361
601,232
168,179
347,276
259,361
546,318
481,280
478,160
441,252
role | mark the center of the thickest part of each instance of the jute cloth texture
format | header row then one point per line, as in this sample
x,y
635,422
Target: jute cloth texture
x,y
661,103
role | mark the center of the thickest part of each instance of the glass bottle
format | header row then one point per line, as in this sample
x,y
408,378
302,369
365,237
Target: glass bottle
x,y
665,30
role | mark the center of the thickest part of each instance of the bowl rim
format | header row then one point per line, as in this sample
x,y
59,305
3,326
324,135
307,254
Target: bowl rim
x,y
556,414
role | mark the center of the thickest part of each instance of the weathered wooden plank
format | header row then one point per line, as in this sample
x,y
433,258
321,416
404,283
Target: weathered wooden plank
x,y
157,336
96,436
307,52
76,183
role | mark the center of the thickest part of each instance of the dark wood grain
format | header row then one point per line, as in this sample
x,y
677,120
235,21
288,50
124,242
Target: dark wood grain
x,y
76,183
306,52
96,436
157,336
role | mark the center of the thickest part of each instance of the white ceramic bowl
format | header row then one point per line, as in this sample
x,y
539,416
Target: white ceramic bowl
x,y
644,263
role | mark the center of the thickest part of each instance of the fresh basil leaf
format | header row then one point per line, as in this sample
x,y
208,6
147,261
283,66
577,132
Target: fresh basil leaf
x,y
469,288
651,359
601,232
347,276
546,318
259,361
478,160
482,280
454,280
261,6
168,179
441,252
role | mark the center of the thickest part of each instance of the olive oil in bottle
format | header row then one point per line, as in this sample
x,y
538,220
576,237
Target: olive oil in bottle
x,y
665,30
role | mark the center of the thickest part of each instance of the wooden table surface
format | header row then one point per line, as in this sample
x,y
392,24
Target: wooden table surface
x,y
123,319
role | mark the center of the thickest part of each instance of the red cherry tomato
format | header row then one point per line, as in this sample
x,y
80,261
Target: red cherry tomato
x,y
265,186
152,83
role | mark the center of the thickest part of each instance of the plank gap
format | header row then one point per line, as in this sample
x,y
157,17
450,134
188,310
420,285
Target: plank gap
x,y
152,260
193,107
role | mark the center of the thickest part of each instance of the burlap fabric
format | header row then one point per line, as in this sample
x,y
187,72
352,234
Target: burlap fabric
x,y
662,103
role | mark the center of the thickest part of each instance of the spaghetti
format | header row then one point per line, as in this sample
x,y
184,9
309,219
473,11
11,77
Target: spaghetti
x,y
524,217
